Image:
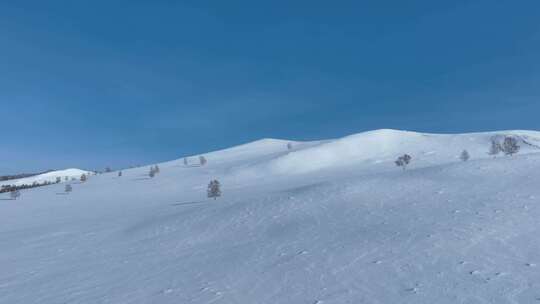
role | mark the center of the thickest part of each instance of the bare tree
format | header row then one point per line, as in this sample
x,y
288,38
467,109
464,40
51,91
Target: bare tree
x,y
14,194
202,160
464,156
83,178
68,188
495,148
214,189
510,146
403,161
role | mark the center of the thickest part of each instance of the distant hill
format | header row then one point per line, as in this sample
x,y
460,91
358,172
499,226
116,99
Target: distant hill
x,y
49,176
22,175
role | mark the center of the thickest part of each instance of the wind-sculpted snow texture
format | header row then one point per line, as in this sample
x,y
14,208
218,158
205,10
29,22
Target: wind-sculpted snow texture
x,y
327,222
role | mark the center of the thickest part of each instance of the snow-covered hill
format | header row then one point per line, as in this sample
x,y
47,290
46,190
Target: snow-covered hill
x,y
47,177
332,221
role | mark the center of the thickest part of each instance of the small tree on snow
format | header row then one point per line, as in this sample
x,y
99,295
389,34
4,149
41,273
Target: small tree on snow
x,y
403,161
83,178
152,172
185,161
495,148
510,146
119,173
68,188
156,168
289,146
464,156
58,179
14,194
214,189
202,160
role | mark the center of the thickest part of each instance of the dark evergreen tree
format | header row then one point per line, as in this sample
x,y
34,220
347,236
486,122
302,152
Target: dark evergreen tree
x,y
510,146
464,156
495,148
214,189
403,161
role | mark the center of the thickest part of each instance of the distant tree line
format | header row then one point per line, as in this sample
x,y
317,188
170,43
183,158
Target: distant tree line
x,y
22,175
10,188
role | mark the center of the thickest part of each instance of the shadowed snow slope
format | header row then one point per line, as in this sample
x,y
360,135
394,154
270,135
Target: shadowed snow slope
x,y
328,222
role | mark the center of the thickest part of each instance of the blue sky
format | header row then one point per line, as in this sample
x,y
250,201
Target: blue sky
x,y
117,83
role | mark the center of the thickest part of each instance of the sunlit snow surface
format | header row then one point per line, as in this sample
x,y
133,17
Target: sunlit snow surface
x,y
328,222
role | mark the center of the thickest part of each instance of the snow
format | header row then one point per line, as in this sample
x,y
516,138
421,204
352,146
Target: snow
x,y
331,221
47,177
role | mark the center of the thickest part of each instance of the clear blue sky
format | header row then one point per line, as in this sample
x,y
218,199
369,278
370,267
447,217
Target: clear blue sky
x,y
116,83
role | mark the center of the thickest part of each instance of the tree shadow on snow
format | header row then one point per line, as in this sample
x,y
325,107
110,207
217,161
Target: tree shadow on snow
x,y
188,203
189,166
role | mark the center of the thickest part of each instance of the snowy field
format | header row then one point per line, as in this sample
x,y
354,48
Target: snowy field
x,y
327,222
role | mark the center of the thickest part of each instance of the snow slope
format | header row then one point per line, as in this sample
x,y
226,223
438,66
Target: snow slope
x,y
47,177
329,222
